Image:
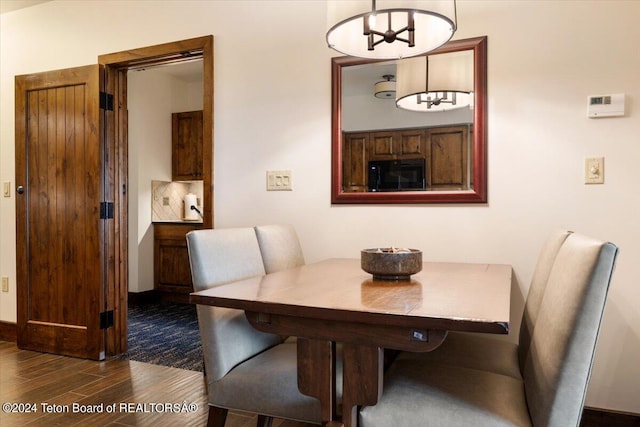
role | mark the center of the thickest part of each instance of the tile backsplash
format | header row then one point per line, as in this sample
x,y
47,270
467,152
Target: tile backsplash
x,y
167,202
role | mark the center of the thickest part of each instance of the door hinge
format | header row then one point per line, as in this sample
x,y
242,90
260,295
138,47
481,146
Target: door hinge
x,y
106,319
106,210
106,101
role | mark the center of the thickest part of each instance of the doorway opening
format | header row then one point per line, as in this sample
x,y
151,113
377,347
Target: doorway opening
x,y
159,331
154,94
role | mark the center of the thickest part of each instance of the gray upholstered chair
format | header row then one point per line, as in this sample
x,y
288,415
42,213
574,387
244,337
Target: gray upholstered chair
x,y
246,370
486,352
551,388
279,246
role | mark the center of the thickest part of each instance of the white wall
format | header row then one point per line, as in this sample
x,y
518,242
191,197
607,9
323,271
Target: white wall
x,y
272,111
361,112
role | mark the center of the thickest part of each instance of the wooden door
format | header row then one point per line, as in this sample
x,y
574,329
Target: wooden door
x,y
60,177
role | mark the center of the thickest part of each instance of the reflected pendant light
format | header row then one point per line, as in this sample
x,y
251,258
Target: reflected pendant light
x,y
389,29
439,82
385,89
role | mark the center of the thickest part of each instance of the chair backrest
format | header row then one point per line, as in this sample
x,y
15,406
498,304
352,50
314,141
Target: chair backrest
x,y
279,246
219,256
563,344
536,291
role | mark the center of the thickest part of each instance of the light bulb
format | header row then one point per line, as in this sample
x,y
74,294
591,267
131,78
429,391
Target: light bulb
x,y
372,20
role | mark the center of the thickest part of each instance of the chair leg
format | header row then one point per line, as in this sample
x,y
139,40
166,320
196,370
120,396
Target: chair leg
x,y
217,417
264,421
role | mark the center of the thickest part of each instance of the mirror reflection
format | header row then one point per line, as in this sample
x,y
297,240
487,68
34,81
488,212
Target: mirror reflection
x,y
412,130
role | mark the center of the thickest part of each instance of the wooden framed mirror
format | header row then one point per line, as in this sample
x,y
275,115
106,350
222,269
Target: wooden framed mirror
x,y
359,137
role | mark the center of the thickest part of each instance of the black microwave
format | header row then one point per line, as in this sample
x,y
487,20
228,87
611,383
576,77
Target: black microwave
x,y
396,175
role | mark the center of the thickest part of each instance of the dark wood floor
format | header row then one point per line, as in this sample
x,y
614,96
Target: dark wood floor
x,y
41,379
32,378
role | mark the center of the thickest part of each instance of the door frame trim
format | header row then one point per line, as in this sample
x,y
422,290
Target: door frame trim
x,y
116,67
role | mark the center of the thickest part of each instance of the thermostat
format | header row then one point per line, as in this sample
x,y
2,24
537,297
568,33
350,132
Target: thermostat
x,y
605,105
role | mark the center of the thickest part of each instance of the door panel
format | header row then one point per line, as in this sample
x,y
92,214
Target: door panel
x,y
60,236
448,160
355,172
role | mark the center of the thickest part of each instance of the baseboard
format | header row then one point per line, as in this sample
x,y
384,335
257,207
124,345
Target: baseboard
x,y
594,417
8,331
174,297
137,298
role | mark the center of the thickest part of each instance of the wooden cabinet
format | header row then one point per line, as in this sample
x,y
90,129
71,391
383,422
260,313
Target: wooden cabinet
x,y
354,161
187,143
448,161
446,150
400,144
172,272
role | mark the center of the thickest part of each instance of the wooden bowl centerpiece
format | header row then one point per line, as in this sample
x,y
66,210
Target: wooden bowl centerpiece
x,y
391,263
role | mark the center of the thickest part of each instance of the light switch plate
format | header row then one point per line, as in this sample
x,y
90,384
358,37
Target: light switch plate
x,y
7,189
5,284
279,180
594,170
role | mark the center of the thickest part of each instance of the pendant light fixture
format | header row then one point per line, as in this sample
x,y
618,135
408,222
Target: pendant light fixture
x,y
385,89
389,29
439,82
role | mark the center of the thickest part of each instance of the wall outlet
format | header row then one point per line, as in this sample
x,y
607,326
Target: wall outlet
x,y
5,284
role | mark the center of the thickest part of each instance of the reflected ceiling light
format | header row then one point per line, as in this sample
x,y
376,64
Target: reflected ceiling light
x,y
389,29
435,82
385,89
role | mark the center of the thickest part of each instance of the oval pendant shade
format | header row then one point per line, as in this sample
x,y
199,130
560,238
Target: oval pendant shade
x,y
434,22
435,82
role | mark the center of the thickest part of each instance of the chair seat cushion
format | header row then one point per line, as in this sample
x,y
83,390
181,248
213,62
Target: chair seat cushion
x,y
476,351
272,392
450,395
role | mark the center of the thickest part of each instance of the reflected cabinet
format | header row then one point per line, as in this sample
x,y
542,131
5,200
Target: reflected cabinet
x,y
443,150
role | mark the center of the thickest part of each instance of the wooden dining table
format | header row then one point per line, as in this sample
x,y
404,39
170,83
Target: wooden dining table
x,y
335,301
